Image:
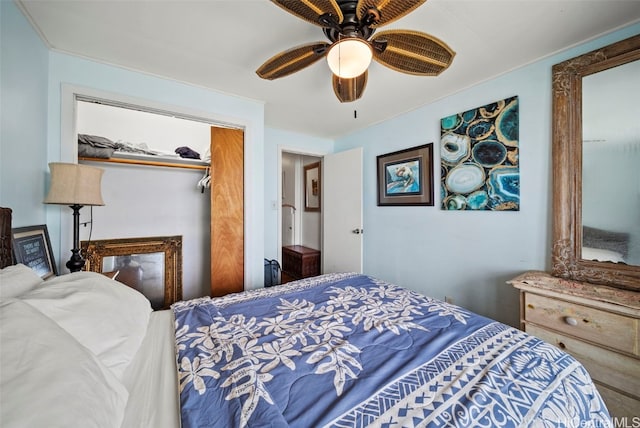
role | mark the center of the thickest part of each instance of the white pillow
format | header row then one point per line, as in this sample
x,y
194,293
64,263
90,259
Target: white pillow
x,y
47,379
104,315
16,280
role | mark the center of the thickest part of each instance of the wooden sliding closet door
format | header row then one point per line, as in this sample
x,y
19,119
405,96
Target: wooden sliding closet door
x,y
227,211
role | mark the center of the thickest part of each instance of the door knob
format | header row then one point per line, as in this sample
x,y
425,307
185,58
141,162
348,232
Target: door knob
x,y
357,231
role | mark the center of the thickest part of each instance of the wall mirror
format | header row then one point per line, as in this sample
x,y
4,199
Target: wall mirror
x,y
312,187
152,266
596,177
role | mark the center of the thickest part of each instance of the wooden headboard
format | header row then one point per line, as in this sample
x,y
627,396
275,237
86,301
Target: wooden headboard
x,y
6,255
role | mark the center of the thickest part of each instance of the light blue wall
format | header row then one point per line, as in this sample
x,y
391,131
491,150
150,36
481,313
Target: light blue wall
x,y
276,141
23,117
467,255
67,69
36,108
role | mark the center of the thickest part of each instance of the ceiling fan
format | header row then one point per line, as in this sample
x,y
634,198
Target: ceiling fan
x,y
349,25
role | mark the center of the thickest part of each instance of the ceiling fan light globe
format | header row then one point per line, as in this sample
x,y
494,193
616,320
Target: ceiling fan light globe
x,y
349,58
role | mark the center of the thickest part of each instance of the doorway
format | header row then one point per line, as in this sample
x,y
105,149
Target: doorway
x,y
337,226
300,226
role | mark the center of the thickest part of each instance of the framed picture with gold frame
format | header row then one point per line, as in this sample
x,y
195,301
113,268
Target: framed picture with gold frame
x,y
152,266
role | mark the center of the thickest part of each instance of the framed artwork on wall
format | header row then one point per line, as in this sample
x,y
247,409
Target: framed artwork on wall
x,y
32,248
405,177
312,187
479,158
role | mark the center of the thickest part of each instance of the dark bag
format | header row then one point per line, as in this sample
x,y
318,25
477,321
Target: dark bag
x,y
271,273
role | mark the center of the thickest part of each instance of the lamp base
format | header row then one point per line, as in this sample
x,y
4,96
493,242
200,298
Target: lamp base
x,y
76,262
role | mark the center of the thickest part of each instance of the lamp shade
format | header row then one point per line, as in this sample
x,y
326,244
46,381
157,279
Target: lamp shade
x,y
349,58
73,184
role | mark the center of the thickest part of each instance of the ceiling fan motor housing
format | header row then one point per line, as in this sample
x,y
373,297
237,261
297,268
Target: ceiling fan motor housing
x,y
350,26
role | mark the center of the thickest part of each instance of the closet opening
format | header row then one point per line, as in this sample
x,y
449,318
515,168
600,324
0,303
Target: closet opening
x,y
145,195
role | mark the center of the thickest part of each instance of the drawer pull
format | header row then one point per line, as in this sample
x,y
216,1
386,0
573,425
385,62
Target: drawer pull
x,y
571,321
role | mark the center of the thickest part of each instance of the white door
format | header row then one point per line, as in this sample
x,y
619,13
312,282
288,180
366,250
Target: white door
x,y
342,212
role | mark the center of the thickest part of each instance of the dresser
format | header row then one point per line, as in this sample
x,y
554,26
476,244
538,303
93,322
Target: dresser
x,y
598,325
300,262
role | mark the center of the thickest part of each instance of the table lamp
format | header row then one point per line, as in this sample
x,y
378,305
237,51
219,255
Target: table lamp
x,y
76,186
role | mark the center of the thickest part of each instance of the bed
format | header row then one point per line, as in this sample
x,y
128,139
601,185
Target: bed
x,y
339,350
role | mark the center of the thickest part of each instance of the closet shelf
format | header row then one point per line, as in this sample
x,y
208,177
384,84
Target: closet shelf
x,y
167,162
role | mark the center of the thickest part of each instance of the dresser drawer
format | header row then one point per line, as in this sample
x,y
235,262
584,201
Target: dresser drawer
x,y
619,405
601,327
607,367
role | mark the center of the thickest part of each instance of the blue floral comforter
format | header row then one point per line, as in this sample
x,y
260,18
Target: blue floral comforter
x,y
347,350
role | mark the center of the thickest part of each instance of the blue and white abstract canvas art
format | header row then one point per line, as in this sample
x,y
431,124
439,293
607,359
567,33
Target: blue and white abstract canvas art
x,y
480,158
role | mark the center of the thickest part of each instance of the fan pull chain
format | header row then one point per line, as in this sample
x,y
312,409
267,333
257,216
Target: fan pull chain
x,y
339,56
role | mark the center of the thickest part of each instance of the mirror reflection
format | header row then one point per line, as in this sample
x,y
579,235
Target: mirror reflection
x,y
611,165
142,272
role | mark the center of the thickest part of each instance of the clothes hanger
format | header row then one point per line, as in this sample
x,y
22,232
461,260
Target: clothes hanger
x,y
205,181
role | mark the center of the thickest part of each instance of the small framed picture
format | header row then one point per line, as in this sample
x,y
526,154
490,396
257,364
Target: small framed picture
x,y
405,177
32,248
312,187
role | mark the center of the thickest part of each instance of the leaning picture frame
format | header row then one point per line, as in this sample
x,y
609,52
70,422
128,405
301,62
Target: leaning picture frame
x,y
151,265
405,177
32,247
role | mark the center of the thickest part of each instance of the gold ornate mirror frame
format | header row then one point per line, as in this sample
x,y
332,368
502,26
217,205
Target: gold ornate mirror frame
x,y
567,168
169,246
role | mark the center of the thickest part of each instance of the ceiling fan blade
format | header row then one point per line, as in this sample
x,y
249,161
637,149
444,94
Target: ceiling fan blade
x,y
348,90
388,10
311,10
412,52
292,60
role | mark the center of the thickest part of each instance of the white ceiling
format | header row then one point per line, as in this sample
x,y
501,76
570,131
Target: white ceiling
x,y
218,44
